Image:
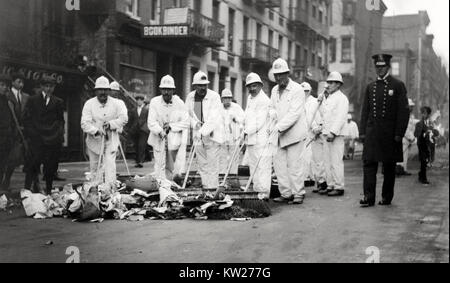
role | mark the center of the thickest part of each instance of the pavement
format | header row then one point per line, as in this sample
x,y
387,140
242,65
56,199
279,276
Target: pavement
x,y
414,229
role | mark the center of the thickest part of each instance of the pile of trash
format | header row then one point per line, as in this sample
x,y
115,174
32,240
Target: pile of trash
x,y
134,199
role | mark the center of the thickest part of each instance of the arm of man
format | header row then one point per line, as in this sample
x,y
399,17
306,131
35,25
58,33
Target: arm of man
x,y
152,120
340,116
87,120
403,112
122,117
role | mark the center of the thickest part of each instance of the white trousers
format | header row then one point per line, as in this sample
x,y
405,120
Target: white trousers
x,y
318,162
208,162
308,163
289,168
163,169
226,152
262,180
333,157
109,165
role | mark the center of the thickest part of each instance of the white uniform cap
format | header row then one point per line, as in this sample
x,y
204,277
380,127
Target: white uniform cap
x,y
200,78
280,66
226,93
102,83
115,86
253,78
167,82
335,77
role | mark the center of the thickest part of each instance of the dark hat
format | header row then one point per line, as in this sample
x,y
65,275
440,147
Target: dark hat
x,y
5,78
16,76
47,80
382,60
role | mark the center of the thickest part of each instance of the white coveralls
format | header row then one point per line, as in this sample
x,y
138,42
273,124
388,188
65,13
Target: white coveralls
x,y
311,106
233,118
176,116
291,134
318,146
334,111
350,133
408,140
256,126
212,136
93,116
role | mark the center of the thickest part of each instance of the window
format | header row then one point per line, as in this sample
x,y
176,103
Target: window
x,y
280,44
281,21
216,6
289,49
246,26
305,56
258,32
395,68
313,59
233,86
314,11
348,12
153,10
132,9
231,18
270,38
320,16
298,54
211,78
198,5
346,49
271,15
332,49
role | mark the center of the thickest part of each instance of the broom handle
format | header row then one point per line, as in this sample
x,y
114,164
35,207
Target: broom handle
x,y
100,160
189,165
237,149
123,155
257,163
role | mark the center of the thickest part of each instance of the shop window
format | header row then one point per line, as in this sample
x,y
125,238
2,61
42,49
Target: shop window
x,y
332,49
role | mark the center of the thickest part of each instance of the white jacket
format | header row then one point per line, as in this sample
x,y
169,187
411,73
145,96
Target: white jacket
x,y
257,119
334,111
291,114
232,130
175,115
94,115
350,130
213,121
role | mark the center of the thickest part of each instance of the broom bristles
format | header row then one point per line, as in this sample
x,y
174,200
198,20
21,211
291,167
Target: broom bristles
x,y
260,206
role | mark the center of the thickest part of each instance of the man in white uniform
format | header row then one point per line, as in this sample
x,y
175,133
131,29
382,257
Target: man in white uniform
x,y
310,106
408,140
204,108
334,110
168,121
257,128
103,117
350,133
288,101
233,117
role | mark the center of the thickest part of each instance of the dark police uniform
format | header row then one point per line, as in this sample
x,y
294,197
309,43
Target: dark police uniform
x,y
385,115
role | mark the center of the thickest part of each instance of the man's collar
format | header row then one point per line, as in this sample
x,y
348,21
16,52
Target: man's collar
x,y
385,77
14,90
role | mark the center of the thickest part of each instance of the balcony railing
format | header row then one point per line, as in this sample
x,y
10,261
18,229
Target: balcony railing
x,y
254,50
269,3
299,17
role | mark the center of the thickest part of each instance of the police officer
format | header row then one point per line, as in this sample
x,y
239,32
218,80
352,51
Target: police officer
x,y
384,119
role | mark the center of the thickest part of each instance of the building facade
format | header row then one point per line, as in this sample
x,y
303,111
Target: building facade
x,y
355,35
415,61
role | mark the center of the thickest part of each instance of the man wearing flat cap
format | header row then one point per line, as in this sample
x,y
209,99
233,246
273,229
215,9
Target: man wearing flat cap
x,y
43,121
6,127
384,119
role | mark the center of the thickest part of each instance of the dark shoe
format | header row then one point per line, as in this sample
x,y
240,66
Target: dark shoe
x,y
407,173
424,182
325,191
336,193
315,190
282,199
139,166
366,203
384,202
297,200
